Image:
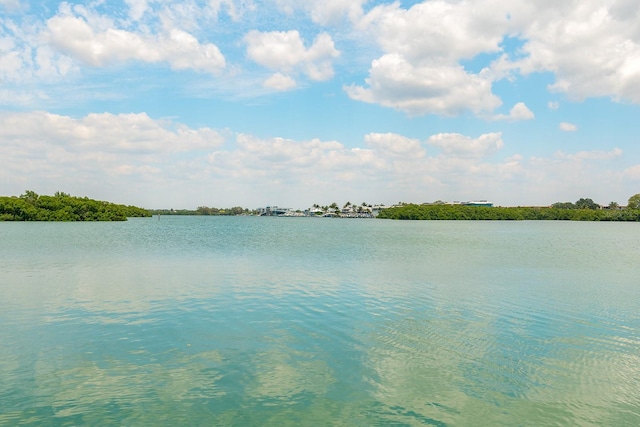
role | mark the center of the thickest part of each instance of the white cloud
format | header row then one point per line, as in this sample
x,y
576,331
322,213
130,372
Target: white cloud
x,y
280,82
114,157
457,145
104,138
333,11
519,112
75,37
591,155
281,152
420,71
397,168
445,90
553,105
437,31
568,127
284,51
23,59
593,48
395,145
12,59
159,163
137,8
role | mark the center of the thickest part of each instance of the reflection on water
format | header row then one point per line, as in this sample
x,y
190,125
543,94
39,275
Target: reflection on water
x,y
270,321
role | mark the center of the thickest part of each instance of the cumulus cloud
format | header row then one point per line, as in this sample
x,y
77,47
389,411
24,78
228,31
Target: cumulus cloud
x,y
279,82
592,48
420,71
12,59
458,145
284,51
162,163
286,152
395,145
24,60
291,171
568,127
74,36
519,112
436,31
427,89
104,138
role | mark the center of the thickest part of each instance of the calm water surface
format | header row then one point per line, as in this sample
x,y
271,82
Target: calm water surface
x,y
202,321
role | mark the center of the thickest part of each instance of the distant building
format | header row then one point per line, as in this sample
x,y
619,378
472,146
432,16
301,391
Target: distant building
x,y
273,211
375,210
314,212
483,203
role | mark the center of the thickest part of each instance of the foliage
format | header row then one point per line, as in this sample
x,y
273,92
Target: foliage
x,y
586,204
564,205
634,202
204,210
63,207
460,212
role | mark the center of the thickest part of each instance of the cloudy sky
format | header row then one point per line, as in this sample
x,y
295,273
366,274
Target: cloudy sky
x,y
178,104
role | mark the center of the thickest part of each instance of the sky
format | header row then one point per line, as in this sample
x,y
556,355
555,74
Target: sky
x,y
220,103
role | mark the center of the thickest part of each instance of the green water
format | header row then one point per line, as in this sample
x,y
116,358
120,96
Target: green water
x,y
203,321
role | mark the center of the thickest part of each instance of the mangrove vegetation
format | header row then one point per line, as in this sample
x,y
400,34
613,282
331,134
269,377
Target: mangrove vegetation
x,y
64,207
558,212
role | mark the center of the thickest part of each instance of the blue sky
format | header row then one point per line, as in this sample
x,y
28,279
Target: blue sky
x,y
178,104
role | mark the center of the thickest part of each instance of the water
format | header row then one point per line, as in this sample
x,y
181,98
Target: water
x,y
247,321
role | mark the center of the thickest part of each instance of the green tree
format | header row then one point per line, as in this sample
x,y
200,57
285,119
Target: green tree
x,y
30,197
563,205
587,204
634,202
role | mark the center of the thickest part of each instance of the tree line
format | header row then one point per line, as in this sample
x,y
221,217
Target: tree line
x,y
205,211
583,210
31,206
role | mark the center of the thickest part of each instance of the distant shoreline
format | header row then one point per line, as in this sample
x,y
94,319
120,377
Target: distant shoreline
x,y
478,213
63,207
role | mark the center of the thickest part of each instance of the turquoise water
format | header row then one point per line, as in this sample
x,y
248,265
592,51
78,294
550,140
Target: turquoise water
x,y
245,321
